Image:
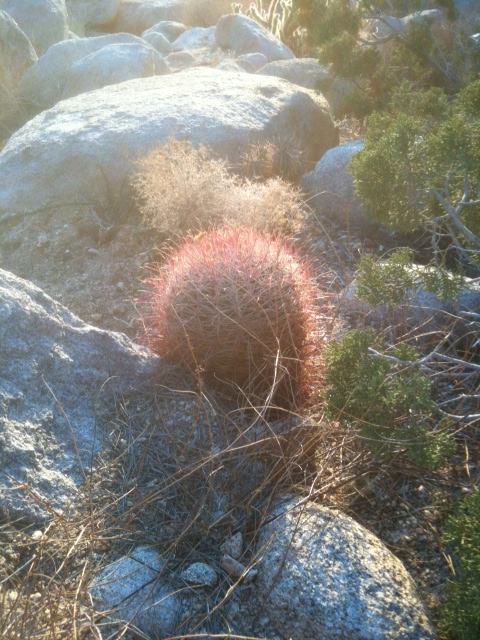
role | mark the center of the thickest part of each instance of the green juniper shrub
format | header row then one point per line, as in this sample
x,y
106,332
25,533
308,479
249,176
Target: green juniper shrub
x,y
418,158
460,618
385,282
389,402
419,54
388,281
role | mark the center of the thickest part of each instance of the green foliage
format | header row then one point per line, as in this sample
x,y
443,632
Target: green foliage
x,y
419,54
385,282
422,146
461,611
391,403
388,281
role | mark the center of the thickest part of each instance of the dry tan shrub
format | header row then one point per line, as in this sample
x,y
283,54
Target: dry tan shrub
x,y
183,189
280,157
273,206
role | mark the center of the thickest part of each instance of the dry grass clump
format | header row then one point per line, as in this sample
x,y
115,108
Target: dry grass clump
x,y
175,460
280,157
241,309
273,206
183,189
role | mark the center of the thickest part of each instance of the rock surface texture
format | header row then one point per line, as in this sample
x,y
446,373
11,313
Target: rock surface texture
x,y
168,28
241,34
55,371
331,190
16,56
322,575
135,590
195,38
159,41
44,83
113,64
306,72
85,148
43,21
91,13
136,16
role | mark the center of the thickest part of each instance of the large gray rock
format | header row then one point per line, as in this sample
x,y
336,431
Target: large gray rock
x,y
85,148
56,373
306,72
43,21
91,13
241,34
136,16
135,591
322,575
330,187
16,55
113,64
43,84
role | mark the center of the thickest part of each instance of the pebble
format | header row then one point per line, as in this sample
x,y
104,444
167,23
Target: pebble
x,y
233,546
236,569
200,574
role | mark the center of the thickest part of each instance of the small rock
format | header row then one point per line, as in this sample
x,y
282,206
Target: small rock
x,y
178,60
200,574
233,546
236,569
168,28
37,535
252,61
195,38
159,42
306,72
